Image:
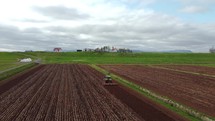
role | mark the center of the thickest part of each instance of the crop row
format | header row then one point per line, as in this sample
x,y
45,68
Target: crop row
x,y
196,91
64,93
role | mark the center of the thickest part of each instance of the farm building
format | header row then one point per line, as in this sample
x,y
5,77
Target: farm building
x,y
89,50
124,50
212,50
57,49
25,60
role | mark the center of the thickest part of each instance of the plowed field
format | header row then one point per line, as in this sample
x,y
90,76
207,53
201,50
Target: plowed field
x,y
195,91
67,93
192,68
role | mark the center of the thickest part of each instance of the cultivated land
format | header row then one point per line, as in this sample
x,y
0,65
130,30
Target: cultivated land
x,y
126,58
192,69
157,60
195,91
72,92
10,60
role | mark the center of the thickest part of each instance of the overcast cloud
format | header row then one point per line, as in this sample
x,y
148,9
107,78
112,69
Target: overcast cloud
x,y
123,24
61,12
194,9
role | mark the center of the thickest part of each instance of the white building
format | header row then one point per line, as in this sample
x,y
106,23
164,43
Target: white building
x,y
25,60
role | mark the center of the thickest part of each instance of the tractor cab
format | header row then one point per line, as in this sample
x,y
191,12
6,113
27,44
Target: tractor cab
x,y
108,80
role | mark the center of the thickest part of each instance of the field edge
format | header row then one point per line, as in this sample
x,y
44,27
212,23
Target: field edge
x,y
181,110
10,73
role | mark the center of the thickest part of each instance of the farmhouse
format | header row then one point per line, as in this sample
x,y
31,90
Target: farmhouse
x,y
57,49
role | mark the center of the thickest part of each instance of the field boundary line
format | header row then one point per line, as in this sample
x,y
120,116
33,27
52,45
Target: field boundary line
x,y
187,72
9,69
5,76
172,105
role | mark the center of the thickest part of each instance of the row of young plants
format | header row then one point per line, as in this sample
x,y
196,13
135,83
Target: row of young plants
x,y
179,108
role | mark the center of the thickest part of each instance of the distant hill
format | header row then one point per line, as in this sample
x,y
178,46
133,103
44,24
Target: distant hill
x,y
166,51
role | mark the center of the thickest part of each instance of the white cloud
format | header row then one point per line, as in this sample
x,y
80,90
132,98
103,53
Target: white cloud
x,y
79,24
197,1
197,6
194,9
61,12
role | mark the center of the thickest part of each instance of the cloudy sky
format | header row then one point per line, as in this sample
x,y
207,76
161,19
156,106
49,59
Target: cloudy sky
x,y
148,25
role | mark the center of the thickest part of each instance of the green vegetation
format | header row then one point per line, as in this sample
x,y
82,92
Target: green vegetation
x,y
126,58
10,60
172,105
14,71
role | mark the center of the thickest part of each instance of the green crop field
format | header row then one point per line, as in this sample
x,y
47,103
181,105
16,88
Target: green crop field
x,y
10,60
126,58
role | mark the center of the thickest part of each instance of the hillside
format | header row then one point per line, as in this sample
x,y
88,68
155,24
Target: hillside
x,y
126,58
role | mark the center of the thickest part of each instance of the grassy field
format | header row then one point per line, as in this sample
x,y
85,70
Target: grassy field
x,y
9,60
126,58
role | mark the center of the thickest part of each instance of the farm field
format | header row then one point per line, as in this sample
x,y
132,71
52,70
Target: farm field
x,y
71,92
9,60
195,91
191,68
125,58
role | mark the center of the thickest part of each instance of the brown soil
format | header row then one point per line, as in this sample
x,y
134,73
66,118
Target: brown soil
x,y
7,84
192,68
62,92
195,91
72,92
147,109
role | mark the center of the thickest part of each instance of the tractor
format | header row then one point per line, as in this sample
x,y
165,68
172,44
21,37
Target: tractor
x,y
108,80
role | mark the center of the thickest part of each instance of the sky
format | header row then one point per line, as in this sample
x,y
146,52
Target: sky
x,y
147,25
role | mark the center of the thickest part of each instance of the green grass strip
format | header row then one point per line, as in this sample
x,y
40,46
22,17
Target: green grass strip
x,y
14,71
182,110
183,71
